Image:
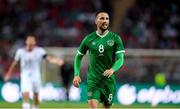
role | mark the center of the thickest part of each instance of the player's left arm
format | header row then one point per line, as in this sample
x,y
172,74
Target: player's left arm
x,y
119,56
54,60
119,62
49,58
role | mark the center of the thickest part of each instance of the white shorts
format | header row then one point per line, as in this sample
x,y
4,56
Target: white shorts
x,y
30,84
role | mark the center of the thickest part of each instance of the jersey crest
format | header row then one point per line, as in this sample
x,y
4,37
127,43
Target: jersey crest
x,y
110,43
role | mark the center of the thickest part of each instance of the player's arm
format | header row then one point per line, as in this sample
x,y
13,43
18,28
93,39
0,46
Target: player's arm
x,y
77,61
119,58
8,74
13,64
119,62
77,65
54,60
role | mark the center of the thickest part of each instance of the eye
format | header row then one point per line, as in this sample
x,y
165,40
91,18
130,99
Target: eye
x,y
102,18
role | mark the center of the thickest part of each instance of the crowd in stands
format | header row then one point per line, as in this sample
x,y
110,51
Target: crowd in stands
x,y
63,23
152,24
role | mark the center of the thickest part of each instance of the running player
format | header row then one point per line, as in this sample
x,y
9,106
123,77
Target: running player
x,y
30,58
106,55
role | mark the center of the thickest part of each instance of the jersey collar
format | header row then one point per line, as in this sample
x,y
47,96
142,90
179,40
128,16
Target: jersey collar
x,y
103,34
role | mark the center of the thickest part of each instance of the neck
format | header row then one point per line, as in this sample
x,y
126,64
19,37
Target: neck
x,y
29,49
102,32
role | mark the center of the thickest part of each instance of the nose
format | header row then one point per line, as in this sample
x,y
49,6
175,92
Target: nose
x,y
105,21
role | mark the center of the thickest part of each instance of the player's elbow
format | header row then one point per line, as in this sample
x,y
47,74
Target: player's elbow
x,y
78,56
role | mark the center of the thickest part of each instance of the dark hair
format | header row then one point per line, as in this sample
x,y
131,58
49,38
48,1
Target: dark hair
x,y
30,35
100,11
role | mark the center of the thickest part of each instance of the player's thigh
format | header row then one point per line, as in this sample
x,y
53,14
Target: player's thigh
x,y
26,84
93,92
107,94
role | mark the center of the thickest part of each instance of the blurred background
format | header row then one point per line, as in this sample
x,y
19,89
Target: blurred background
x,y
149,30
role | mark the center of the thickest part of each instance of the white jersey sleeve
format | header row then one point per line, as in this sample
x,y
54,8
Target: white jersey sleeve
x,y
17,55
42,51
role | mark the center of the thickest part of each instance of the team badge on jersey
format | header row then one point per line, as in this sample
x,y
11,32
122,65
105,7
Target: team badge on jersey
x,y
110,42
89,94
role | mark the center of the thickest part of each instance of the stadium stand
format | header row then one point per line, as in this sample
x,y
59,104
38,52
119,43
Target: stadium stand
x,y
146,24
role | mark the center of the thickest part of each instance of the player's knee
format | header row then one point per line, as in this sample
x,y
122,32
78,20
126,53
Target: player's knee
x,y
93,104
106,106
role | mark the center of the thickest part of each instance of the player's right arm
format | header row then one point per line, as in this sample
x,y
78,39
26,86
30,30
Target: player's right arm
x,y
14,63
8,74
77,61
77,64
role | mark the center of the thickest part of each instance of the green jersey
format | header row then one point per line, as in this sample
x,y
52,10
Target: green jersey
x,y
102,54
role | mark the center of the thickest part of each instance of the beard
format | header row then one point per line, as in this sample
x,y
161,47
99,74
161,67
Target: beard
x,y
104,27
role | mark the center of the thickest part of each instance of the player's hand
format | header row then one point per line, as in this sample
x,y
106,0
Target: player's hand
x,y
60,62
7,77
76,81
108,72
55,60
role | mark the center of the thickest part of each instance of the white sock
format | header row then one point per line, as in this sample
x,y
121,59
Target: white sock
x,y
26,106
35,107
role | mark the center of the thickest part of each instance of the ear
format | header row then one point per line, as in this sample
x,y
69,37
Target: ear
x,y
95,21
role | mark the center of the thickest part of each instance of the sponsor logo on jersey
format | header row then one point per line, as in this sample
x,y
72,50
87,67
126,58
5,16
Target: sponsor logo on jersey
x,y
93,43
101,54
110,42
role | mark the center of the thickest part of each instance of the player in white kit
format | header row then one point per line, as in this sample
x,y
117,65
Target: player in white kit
x,y
30,58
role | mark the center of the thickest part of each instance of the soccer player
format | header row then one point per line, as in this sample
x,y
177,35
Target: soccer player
x,y
30,58
106,55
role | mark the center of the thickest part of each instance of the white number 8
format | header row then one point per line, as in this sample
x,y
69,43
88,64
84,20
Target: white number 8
x,y
110,97
101,48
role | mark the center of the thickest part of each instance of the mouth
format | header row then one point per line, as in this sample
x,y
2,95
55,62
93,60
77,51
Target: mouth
x,y
104,25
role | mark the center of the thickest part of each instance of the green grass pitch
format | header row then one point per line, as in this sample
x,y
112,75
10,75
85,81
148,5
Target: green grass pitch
x,y
61,104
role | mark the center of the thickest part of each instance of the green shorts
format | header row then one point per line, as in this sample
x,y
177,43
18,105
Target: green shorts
x,y
104,94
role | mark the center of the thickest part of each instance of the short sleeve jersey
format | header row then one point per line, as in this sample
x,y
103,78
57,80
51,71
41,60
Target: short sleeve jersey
x,y
102,54
30,61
